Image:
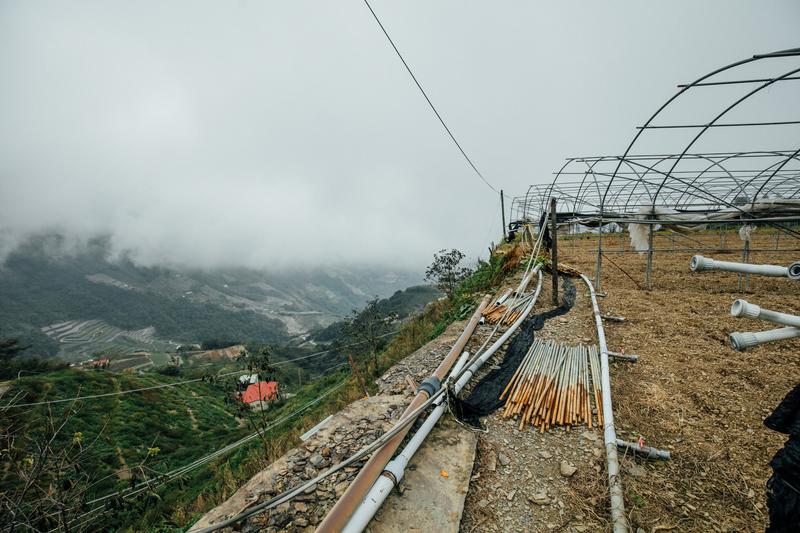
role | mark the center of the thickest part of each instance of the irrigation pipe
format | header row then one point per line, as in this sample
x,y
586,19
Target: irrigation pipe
x,y
395,469
358,488
618,519
744,309
291,493
700,264
742,341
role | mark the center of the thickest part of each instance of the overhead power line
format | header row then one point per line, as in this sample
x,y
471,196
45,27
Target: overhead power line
x,y
419,86
166,477
177,383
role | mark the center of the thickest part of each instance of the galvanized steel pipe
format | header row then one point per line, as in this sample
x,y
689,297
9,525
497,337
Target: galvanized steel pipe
x,y
648,451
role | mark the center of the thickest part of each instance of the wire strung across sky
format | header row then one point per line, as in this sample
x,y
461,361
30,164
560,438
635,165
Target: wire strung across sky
x,y
419,86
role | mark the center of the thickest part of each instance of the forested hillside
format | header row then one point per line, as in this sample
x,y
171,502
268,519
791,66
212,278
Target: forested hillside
x,y
44,283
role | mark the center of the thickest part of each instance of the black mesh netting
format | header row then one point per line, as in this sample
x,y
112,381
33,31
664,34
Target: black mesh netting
x,y
484,398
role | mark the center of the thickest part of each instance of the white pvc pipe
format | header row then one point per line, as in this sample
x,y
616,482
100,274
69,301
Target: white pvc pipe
x,y
744,309
794,271
744,341
460,363
618,518
395,469
700,264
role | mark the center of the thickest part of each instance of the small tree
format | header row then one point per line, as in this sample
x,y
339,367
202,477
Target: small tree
x,y
367,327
446,271
255,362
45,484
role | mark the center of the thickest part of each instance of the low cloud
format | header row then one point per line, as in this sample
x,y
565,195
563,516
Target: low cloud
x,y
276,135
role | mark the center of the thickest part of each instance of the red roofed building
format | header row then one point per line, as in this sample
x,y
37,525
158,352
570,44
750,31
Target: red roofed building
x,y
261,391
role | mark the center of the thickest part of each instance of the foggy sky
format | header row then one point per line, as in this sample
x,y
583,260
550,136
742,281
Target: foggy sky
x,y
270,134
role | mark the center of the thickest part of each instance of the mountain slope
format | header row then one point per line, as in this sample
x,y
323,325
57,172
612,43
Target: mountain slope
x,y
44,284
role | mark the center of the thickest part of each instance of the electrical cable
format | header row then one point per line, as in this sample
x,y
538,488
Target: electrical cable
x,y
175,473
419,86
165,385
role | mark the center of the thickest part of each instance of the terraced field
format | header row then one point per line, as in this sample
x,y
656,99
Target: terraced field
x,y
82,338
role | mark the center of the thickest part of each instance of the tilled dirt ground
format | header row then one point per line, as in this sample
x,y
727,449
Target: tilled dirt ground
x,y
690,392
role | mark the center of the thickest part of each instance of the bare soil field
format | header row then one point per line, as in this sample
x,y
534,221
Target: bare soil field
x,y
690,392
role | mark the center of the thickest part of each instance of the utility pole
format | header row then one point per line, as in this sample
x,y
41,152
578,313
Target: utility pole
x,y
554,249
503,212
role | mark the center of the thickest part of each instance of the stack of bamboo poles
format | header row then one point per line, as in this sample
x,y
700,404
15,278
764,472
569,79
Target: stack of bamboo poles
x,y
554,385
497,311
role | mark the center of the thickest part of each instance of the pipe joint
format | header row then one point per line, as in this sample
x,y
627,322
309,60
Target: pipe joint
x,y
430,385
743,341
744,309
794,271
700,263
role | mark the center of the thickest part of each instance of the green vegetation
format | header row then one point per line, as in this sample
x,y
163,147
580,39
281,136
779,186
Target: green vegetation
x,y
159,430
447,272
42,291
45,282
402,304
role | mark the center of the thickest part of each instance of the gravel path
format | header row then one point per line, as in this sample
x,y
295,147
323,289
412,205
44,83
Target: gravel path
x,y
524,480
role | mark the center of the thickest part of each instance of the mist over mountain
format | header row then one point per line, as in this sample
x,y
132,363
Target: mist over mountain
x,y
63,297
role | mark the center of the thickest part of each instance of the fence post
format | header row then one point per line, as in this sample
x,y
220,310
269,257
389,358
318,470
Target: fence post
x,y
503,213
649,272
554,249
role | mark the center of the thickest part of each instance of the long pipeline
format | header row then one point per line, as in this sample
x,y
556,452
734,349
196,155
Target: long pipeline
x,y
618,518
340,513
395,469
700,264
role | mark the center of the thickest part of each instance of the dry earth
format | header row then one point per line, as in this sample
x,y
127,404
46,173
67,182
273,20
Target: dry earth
x,y
690,392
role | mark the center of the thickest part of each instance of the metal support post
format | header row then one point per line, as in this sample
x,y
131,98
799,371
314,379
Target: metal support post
x,y
554,250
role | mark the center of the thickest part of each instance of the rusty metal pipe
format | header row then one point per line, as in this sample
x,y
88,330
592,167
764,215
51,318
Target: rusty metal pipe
x,y
340,513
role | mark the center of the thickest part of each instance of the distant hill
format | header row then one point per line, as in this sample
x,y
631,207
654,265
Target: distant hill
x,y
401,304
73,304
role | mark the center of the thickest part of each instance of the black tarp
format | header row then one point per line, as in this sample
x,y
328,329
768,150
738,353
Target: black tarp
x,y
783,488
484,398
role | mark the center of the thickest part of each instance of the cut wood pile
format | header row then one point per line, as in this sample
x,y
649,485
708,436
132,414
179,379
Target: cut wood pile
x,y
556,385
